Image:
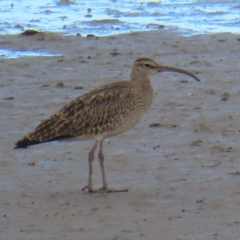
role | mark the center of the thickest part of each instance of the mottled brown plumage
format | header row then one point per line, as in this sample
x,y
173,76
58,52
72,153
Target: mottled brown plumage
x,y
103,112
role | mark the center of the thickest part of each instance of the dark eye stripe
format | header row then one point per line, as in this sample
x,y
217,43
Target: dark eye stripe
x,y
148,65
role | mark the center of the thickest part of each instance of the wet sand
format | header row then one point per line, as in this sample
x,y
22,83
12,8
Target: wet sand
x,y
183,174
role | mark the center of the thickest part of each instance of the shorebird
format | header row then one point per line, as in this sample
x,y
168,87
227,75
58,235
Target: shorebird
x,y
101,113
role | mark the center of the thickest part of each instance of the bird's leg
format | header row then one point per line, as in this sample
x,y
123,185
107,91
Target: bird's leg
x,y
104,188
101,159
90,159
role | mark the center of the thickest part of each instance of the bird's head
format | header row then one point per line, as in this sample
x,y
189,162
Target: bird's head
x,y
147,67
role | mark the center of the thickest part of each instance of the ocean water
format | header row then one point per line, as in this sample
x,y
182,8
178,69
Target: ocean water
x,y
109,17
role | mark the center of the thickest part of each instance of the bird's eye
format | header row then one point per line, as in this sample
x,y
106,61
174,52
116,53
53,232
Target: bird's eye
x,y
147,65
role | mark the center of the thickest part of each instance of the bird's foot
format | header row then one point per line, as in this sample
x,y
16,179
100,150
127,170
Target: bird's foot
x,y
112,190
104,190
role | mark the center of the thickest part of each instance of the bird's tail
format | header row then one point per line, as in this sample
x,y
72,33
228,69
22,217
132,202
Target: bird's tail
x,y
42,133
25,142
49,130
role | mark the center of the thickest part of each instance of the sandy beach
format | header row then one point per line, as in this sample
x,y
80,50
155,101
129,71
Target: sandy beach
x,y
183,173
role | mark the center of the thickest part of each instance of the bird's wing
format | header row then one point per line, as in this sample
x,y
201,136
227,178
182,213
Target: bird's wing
x,y
88,114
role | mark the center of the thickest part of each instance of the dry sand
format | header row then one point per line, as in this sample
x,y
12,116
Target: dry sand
x,y
183,175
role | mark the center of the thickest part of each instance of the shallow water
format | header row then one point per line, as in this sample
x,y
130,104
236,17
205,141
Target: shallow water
x,y
8,53
113,17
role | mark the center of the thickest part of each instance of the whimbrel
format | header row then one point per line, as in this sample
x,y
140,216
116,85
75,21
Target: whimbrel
x,y
101,113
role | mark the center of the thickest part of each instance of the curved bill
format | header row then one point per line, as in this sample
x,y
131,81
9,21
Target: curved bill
x,y
173,69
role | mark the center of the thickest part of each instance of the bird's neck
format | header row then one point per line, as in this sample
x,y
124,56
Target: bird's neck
x,y
143,87
141,81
